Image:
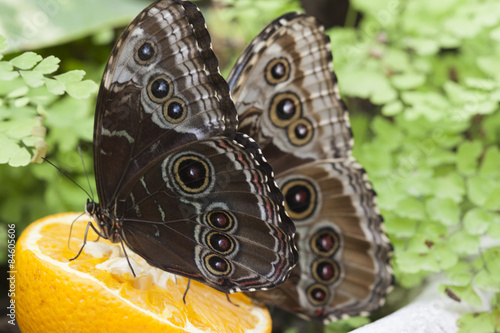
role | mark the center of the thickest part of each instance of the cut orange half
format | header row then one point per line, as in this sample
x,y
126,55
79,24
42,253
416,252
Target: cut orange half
x,y
97,292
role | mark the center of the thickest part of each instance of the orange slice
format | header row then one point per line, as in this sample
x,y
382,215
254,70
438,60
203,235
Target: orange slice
x,y
97,292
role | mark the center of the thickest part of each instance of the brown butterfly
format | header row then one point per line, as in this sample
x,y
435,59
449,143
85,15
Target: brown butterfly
x,y
176,182
287,97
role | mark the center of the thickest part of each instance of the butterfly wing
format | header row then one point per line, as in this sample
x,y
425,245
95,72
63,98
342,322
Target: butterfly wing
x,y
185,191
287,98
161,89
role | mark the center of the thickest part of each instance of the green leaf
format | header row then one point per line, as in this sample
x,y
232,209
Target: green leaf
x,y
21,158
7,71
33,25
460,274
494,231
477,221
81,89
402,227
451,186
446,211
423,46
32,78
467,156
392,108
464,243
71,76
9,148
491,162
368,84
3,43
411,208
487,280
467,294
21,91
479,189
48,65
26,60
408,80
21,102
445,256
482,322
54,86
493,201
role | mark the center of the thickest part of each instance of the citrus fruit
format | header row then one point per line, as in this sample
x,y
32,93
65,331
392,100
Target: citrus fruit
x,y
98,293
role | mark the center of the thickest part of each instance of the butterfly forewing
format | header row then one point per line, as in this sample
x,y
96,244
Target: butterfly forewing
x,y
287,98
175,181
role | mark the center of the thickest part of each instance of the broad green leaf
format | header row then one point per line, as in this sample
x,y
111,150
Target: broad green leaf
x,y
21,102
26,60
491,162
460,274
21,158
21,91
479,189
34,24
32,78
71,76
48,65
7,71
451,186
392,108
408,80
464,243
54,86
493,201
483,84
423,46
477,221
9,148
467,156
402,227
81,89
3,43
487,280
445,256
411,208
467,294
482,322
446,211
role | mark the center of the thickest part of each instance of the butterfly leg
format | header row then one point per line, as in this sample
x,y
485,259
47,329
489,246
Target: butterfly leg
x,y
229,300
89,225
125,253
185,293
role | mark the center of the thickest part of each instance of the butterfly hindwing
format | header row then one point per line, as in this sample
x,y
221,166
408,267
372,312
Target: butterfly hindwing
x,y
176,182
287,98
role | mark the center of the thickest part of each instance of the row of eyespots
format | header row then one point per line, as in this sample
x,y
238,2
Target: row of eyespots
x,y
300,203
160,88
285,108
325,270
219,242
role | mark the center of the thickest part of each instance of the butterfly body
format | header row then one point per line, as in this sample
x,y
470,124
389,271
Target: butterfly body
x,y
176,182
287,98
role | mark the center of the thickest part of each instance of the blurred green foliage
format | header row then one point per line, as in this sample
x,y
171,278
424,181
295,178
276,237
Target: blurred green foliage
x,y
421,79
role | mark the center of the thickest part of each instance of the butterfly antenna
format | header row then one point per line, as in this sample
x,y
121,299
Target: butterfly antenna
x,y
86,174
67,176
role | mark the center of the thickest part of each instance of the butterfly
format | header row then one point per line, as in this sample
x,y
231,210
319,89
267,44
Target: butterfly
x,y
287,98
177,184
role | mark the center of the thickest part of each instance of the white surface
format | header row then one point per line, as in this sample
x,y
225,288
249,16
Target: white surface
x,y
430,312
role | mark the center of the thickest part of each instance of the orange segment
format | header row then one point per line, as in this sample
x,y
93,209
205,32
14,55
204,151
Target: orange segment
x,y
97,292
